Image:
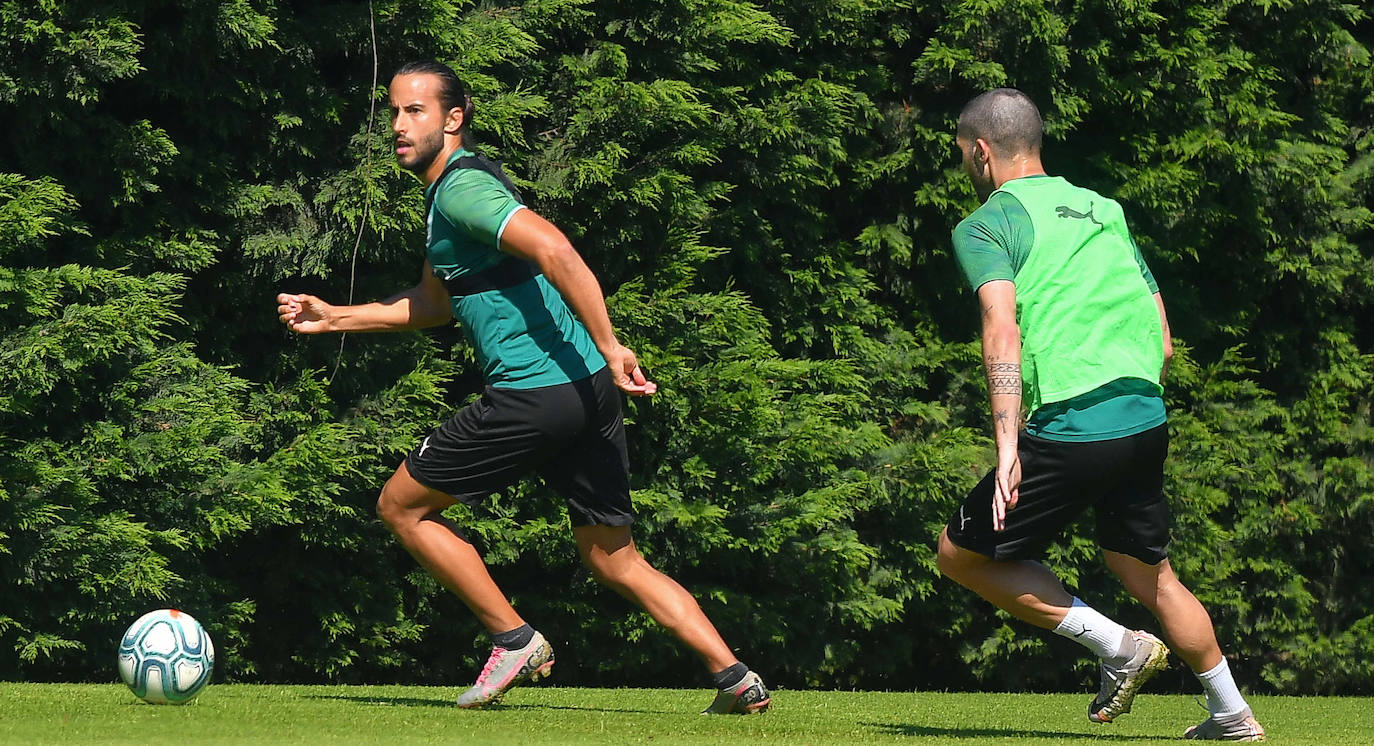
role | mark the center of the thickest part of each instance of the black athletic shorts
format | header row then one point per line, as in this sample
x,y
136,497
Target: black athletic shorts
x,y
571,434
1122,480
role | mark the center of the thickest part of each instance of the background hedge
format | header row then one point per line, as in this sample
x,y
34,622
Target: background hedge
x,y
766,190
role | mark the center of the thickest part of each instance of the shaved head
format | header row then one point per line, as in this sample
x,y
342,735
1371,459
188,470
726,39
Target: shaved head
x,y
1006,119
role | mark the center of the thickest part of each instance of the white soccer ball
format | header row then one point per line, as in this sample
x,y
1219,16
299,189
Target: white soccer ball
x,y
166,657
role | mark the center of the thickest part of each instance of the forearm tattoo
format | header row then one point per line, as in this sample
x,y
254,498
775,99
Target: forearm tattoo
x,y
1004,378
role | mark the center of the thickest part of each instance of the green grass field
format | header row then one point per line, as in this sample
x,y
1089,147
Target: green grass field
x,y
243,714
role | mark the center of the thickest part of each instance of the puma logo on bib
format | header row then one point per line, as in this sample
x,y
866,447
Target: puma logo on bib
x,y
1064,211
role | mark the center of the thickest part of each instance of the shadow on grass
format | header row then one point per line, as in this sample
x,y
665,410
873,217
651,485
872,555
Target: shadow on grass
x,y
926,730
389,701
498,707
587,709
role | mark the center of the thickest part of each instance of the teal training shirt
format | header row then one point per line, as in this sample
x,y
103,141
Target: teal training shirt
x,y
1123,407
525,335
994,243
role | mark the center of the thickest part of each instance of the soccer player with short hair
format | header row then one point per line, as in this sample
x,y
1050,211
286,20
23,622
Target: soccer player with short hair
x,y
535,315
1071,312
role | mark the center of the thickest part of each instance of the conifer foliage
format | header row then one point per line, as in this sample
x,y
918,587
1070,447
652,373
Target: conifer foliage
x,y
765,190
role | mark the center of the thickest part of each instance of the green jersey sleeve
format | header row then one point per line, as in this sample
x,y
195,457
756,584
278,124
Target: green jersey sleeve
x,y
994,241
1144,269
475,203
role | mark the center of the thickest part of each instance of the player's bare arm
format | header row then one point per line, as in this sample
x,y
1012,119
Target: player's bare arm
x,y
536,240
424,305
1002,363
1168,338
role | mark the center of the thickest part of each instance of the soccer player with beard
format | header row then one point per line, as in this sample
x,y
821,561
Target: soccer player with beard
x,y
535,314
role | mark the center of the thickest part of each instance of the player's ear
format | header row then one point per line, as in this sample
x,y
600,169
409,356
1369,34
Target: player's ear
x,y
981,150
454,120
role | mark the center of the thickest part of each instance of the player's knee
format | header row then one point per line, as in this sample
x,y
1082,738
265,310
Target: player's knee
x,y
1166,589
608,569
603,571
389,507
386,510
948,557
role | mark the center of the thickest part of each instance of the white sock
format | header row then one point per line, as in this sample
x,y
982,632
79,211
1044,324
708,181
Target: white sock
x,y
1223,698
1087,627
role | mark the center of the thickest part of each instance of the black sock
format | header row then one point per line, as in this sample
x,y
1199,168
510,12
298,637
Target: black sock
x,y
514,639
730,676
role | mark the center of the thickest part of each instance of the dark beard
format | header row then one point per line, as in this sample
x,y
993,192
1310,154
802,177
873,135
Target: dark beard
x,y
425,151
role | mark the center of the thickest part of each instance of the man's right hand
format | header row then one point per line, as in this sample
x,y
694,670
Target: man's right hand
x,y
626,373
304,314
1007,486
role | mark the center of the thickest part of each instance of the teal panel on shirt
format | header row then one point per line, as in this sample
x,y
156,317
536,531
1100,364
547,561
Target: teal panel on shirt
x,y
525,336
1123,407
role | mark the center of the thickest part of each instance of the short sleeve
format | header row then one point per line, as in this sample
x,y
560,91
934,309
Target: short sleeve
x,y
1144,269
475,202
984,243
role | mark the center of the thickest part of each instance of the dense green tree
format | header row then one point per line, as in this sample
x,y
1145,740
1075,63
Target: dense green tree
x,y
765,190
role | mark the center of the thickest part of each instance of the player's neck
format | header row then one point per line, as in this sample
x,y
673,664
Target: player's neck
x,y
436,167
1017,167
